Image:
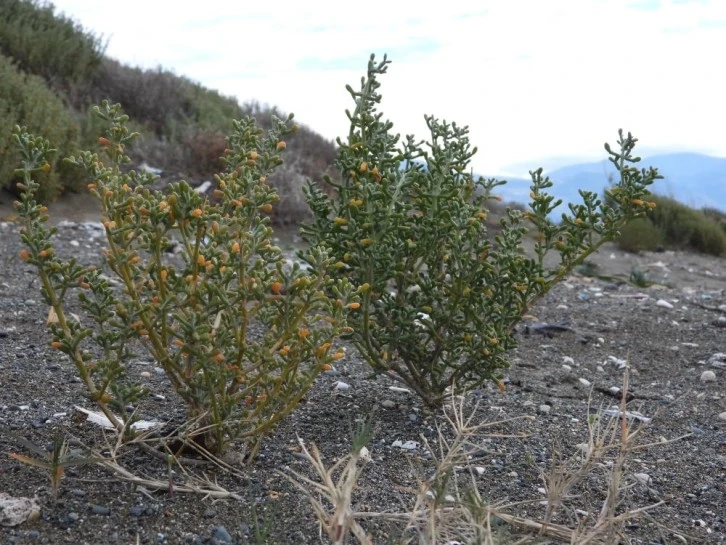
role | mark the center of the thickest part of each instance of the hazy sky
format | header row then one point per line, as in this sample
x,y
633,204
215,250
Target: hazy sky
x,y
534,79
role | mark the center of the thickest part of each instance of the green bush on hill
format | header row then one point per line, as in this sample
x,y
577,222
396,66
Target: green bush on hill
x,y
26,100
672,224
48,44
181,123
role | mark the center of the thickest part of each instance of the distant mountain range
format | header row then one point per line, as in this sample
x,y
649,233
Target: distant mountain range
x,y
694,179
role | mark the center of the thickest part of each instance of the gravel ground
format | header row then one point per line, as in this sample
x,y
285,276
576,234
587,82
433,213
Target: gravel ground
x,y
671,333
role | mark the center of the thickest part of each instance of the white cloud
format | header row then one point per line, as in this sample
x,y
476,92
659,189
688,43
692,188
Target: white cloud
x,y
533,79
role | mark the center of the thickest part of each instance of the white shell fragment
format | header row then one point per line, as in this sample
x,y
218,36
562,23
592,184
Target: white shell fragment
x,y
100,419
398,389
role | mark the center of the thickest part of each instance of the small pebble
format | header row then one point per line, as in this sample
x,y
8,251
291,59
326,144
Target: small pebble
x,y
545,409
100,510
722,415
586,383
718,360
388,404
145,374
663,303
708,376
221,536
340,385
643,478
408,445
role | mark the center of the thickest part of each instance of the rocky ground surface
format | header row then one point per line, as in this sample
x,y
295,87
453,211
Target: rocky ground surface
x,y
673,334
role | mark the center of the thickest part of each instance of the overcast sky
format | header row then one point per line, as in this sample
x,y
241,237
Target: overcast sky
x,y
535,80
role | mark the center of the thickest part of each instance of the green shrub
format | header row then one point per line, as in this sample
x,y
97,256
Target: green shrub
x,y
707,237
47,44
640,235
440,297
682,227
241,336
27,100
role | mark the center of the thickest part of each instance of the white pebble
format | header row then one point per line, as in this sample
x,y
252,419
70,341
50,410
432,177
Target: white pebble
x,y
545,409
586,383
397,389
388,404
568,360
145,374
663,303
340,385
708,376
74,243
642,478
722,415
718,360
567,368
480,470
408,445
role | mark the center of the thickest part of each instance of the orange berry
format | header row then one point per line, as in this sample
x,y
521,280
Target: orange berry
x,y
197,213
24,254
105,142
353,306
276,288
322,350
92,186
266,208
45,168
218,357
56,344
304,332
339,355
235,248
163,274
281,145
326,367
253,155
200,260
363,166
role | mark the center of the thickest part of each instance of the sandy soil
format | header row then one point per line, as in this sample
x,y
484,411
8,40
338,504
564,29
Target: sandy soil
x,y
668,347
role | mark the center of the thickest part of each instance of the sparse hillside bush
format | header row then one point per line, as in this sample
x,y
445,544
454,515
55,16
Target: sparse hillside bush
x,y
26,100
181,123
672,224
640,235
48,44
408,224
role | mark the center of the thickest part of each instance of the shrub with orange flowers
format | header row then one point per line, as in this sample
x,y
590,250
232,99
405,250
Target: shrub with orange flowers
x,y
408,222
240,334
